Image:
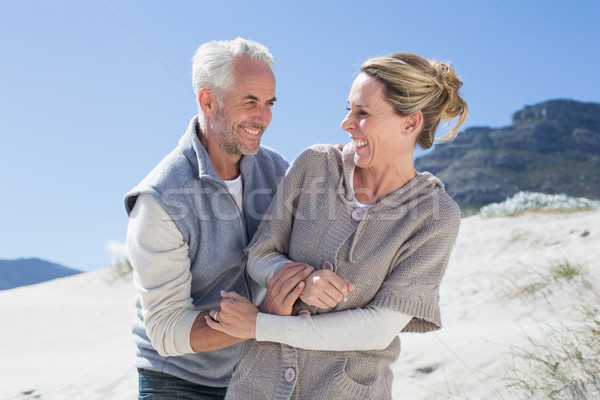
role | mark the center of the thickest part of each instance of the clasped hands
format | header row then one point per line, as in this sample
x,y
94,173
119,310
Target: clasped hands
x,y
321,288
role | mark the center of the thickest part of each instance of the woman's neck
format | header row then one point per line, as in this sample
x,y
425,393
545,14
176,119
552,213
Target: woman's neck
x,y
371,185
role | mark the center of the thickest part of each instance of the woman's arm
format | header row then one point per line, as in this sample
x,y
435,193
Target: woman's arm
x,y
262,266
267,252
349,330
324,289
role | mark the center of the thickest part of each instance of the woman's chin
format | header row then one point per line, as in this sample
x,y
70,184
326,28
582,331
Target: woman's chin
x,y
361,161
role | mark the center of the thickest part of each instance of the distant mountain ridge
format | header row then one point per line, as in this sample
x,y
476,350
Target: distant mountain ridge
x,y
552,147
29,271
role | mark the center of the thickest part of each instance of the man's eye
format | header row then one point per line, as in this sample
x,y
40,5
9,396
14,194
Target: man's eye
x,y
348,108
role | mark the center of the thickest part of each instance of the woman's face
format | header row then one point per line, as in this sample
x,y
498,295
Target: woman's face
x,y
374,127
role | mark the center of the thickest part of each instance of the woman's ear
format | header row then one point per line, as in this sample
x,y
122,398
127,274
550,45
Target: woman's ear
x,y
208,102
413,123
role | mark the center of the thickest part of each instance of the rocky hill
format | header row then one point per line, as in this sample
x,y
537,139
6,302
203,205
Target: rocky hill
x,y
551,147
28,271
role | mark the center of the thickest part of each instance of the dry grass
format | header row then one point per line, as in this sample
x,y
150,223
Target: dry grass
x,y
565,362
540,281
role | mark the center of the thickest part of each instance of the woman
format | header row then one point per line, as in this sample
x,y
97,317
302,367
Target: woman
x,y
371,223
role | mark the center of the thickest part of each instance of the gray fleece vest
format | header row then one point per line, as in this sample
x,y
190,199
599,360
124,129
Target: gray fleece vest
x,y
185,184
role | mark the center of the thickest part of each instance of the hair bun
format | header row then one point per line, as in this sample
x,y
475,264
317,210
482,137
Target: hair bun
x,y
455,106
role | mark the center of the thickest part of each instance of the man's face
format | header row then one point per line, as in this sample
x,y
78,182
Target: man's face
x,y
246,110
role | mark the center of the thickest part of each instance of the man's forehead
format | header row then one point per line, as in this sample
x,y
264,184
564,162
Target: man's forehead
x,y
245,66
253,90
254,86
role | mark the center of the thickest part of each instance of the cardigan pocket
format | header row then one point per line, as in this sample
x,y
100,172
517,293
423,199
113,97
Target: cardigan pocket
x,y
251,357
345,387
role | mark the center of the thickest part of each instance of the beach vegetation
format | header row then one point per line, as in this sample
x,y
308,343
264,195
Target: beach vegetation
x,y
523,202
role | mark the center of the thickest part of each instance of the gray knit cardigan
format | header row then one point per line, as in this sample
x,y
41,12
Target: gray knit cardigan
x,y
395,254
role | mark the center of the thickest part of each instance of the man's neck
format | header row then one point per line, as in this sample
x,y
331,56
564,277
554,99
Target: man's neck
x,y
227,166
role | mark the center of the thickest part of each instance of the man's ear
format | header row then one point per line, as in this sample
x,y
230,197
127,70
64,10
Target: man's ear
x,y
208,102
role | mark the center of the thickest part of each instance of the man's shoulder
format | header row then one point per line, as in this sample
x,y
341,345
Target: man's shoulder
x,y
173,171
269,155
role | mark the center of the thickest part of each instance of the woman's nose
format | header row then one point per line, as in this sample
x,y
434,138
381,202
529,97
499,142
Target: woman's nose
x,y
346,123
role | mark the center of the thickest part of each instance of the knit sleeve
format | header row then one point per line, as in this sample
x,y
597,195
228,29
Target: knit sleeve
x,y
159,257
263,265
274,232
413,285
348,330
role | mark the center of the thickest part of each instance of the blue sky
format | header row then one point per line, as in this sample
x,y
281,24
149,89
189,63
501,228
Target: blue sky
x,y
94,93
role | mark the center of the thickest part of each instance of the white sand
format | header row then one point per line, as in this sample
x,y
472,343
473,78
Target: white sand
x,y
69,338
482,310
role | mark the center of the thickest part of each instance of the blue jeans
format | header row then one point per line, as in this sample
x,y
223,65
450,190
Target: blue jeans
x,y
159,386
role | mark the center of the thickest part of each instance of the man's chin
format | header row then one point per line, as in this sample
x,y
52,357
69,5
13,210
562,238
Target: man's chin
x,y
250,153
250,150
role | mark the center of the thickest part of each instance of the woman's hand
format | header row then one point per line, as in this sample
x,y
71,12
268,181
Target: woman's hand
x,y
284,288
237,316
325,289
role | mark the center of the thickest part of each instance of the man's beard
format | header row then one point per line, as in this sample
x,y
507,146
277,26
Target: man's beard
x,y
226,134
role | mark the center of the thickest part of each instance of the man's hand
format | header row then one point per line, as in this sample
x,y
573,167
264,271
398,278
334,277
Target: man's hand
x,y
325,289
285,288
236,316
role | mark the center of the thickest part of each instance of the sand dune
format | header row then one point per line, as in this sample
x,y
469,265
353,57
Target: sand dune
x,y
489,306
69,338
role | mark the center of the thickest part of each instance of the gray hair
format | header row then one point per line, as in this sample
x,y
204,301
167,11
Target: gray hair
x,y
212,65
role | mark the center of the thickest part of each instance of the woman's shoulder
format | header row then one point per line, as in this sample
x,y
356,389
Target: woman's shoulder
x,y
322,149
319,156
435,198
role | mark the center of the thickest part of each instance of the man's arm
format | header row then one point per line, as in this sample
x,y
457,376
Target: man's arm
x,y
172,324
162,277
283,290
204,338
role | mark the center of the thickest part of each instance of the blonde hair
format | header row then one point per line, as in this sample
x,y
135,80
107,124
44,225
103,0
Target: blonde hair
x,y
413,84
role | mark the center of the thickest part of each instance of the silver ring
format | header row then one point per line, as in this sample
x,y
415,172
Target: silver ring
x,y
216,317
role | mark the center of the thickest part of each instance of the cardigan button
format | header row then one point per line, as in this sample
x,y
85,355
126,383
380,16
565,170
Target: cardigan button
x,y
290,374
327,265
358,214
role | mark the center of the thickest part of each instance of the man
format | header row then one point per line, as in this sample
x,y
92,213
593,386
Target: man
x,y
191,218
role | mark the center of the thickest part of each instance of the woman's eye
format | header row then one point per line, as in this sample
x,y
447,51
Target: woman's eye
x,y
360,113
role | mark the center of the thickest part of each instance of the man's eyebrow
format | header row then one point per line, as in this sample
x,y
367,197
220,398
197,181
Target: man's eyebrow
x,y
252,97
